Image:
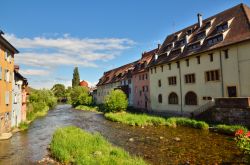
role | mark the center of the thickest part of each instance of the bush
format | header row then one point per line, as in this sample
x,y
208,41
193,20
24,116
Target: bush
x,y
72,145
229,129
80,96
116,101
181,121
23,125
242,138
39,102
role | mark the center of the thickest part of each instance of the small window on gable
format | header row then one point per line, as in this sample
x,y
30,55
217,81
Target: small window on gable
x,y
198,59
211,57
226,53
187,62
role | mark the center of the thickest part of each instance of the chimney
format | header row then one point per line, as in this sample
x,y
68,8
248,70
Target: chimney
x,y
199,19
159,45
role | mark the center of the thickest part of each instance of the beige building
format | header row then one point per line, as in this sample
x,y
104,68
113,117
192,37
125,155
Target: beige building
x,y
207,60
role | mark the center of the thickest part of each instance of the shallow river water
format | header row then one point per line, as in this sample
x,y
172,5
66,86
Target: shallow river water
x,y
157,145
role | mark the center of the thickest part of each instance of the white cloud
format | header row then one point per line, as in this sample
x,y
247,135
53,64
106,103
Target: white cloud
x,y
34,72
67,50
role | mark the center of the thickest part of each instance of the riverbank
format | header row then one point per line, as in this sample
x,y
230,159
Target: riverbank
x,y
72,145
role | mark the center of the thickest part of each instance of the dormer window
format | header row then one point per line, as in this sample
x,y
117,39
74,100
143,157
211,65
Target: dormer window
x,y
215,39
169,46
180,43
208,25
222,27
194,46
189,32
201,35
177,51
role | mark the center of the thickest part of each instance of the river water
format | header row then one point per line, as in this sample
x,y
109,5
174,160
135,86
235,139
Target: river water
x,y
157,145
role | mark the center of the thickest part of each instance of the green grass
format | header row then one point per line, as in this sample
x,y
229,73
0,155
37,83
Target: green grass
x,y
229,129
23,126
87,108
145,120
31,115
72,145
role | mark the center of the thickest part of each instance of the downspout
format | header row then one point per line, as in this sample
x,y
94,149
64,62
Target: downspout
x,y
180,89
221,72
238,70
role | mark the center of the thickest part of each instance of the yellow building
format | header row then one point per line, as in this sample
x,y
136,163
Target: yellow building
x,y
7,52
207,60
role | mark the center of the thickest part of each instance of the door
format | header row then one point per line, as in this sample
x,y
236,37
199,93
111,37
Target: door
x,y
232,92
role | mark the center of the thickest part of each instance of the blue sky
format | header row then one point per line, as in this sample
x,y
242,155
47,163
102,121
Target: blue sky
x,y
54,36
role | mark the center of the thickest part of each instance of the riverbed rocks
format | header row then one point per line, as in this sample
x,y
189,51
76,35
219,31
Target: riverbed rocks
x,y
177,139
131,139
48,161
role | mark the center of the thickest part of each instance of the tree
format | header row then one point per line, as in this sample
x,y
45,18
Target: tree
x,y
80,96
76,78
59,91
116,101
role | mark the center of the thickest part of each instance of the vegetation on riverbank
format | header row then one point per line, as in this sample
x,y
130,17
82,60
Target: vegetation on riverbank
x,y
23,126
229,129
72,145
39,103
145,120
87,108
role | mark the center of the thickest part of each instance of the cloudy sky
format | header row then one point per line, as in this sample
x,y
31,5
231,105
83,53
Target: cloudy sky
x,y
54,36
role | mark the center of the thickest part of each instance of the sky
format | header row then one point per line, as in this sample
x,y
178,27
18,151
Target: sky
x,y
54,36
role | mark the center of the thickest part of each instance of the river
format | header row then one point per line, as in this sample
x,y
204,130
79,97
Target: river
x,y
155,144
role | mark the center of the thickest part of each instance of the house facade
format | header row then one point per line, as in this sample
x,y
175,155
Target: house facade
x,y
7,52
140,81
207,60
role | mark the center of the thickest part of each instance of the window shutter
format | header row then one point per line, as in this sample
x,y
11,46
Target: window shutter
x,y
7,97
0,73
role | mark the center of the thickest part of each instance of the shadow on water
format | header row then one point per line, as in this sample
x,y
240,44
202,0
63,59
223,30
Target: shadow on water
x,y
155,144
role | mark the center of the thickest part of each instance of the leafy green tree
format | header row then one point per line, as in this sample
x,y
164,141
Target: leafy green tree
x,y
80,96
59,91
76,78
116,101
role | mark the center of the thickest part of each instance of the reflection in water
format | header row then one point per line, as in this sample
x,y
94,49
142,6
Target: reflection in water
x,y
155,144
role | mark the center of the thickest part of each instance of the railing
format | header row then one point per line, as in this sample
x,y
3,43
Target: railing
x,y
203,108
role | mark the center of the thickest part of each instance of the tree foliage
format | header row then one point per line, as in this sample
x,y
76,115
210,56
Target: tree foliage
x,y
76,78
59,91
80,96
116,101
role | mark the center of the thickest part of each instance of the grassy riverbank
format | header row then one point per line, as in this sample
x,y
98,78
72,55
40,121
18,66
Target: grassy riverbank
x,y
145,120
72,145
87,108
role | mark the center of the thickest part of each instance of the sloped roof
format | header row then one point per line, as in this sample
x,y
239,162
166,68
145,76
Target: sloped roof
x,y
6,44
238,31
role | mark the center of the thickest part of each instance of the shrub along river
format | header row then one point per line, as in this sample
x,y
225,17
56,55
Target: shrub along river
x,y
157,145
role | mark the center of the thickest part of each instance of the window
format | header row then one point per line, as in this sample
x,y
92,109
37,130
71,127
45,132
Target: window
x,y
169,66
222,27
211,56
226,53
191,98
143,88
147,88
6,75
160,98
146,76
198,59
178,64
155,69
173,98
213,75
201,35
143,77
161,68
140,92
172,80
159,83
187,62
215,39
194,46
129,81
190,78
7,97
151,69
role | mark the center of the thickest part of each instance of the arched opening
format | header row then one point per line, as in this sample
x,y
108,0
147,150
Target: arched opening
x,y
173,98
191,98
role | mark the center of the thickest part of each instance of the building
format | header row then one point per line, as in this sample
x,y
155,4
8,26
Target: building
x,y
119,78
140,81
207,60
7,52
19,98
84,84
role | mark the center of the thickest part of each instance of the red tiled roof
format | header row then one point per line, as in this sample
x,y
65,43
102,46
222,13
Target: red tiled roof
x,y
84,83
238,31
